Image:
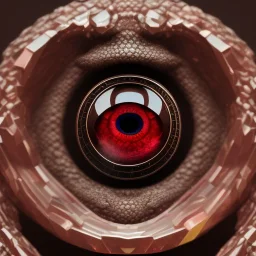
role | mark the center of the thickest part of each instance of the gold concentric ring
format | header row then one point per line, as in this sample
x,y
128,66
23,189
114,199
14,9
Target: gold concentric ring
x,y
121,171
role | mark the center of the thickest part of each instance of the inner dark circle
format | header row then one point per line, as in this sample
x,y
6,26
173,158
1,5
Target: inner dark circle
x,y
129,124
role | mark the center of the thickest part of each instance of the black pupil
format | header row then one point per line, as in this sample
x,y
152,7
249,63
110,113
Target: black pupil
x,y
129,123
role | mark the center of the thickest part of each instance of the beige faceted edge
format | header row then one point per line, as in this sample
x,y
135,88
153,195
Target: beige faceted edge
x,y
48,202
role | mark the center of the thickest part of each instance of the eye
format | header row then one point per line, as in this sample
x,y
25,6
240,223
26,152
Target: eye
x,y
125,128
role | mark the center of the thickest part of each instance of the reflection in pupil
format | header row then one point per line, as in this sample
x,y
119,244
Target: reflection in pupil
x,y
129,123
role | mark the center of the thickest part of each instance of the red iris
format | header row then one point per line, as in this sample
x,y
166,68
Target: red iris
x,y
129,133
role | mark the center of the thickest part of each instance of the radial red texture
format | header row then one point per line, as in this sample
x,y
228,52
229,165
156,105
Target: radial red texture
x,y
124,148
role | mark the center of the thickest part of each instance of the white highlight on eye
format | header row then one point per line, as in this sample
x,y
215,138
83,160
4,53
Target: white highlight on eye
x,y
103,102
155,102
132,97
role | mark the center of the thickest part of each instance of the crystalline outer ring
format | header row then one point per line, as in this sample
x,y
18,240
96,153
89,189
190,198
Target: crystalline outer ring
x,y
60,212
133,171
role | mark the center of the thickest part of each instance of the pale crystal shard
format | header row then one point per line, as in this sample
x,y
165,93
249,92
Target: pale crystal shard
x,y
154,21
82,19
101,21
38,43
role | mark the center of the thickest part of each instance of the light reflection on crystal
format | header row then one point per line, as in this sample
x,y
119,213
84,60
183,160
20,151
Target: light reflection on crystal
x,y
154,21
101,21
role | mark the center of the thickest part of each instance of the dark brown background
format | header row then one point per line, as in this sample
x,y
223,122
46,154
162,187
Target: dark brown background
x,y
15,15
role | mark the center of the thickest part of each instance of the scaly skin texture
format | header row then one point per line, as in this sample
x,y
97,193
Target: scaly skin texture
x,y
246,226
129,206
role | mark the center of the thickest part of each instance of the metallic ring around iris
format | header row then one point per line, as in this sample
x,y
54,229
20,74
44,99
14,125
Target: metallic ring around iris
x,y
128,89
